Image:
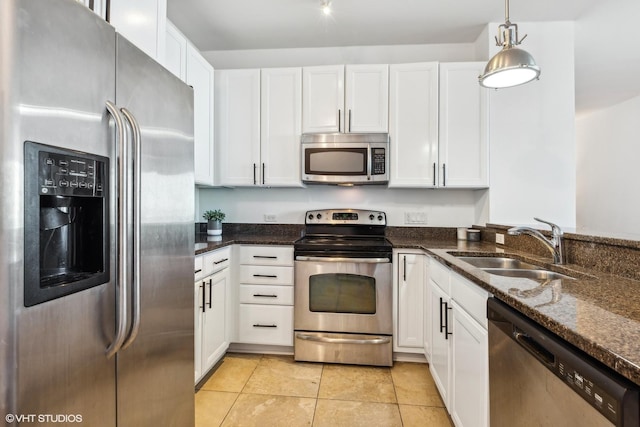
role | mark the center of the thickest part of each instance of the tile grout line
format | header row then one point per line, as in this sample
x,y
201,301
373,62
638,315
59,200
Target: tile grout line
x,y
315,408
239,393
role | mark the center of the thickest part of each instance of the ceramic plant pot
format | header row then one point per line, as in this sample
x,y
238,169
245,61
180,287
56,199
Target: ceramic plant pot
x,y
214,227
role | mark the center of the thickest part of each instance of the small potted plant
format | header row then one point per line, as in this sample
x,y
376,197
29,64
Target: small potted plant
x,y
214,221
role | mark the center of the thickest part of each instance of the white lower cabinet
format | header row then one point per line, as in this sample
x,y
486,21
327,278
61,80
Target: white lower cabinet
x,y
411,275
265,295
459,346
211,332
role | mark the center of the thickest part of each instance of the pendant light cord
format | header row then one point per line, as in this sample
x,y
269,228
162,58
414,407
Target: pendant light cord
x,y
506,12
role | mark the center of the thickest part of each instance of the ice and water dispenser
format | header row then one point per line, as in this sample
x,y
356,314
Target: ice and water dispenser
x,y
66,222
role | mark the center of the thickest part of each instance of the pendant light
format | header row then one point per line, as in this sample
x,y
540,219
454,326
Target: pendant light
x,y
511,66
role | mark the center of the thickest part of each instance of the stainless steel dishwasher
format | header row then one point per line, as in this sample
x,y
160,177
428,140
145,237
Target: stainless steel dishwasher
x,y
538,379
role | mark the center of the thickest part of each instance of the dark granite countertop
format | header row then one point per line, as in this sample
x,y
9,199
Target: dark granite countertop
x,y
206,243
599,313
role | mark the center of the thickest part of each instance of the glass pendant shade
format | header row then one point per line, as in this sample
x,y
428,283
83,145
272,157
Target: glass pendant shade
x,y
509,67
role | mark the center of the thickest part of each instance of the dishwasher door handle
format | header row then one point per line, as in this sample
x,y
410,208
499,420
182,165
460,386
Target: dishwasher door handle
x,y
535,349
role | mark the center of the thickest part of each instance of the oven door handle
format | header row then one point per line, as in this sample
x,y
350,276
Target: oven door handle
x,y
376,340
343,259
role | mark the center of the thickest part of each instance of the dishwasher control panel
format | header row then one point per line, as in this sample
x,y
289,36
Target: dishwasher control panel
x,y
584,385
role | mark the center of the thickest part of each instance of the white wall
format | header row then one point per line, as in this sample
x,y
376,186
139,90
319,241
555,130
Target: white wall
x,y
608,197
532,136
443,208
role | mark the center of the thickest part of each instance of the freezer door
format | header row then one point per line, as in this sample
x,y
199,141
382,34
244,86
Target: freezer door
x,y
57,69
155,372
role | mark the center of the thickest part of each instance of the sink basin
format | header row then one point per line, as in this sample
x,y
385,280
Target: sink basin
x,y
527,274
497,262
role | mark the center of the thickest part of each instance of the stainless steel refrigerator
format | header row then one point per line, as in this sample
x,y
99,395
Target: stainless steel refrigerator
x,y
96,225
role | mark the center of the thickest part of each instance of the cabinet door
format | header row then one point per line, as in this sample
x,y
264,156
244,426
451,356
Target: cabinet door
x,y
411,277
440,366
413,125
367,98
323,99
237,109
281,125
214,340
199,75
197,330
143,22
470,367
175,58
464,130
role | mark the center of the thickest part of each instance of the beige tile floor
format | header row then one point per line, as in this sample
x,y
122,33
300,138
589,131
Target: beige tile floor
x,y
261,390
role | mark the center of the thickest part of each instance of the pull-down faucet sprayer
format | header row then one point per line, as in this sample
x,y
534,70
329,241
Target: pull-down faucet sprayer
x,y
554,244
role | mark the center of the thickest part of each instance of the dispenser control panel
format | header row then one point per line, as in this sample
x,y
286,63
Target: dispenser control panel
x,y
67,175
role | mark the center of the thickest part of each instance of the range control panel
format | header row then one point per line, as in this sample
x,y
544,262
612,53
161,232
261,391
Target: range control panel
x,y
67,175
346,216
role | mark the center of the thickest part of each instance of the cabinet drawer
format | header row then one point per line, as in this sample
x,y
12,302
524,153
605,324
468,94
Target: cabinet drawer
x,y
265,324
266,294
216,260
266,275
470,297
266,255
440,275
198,267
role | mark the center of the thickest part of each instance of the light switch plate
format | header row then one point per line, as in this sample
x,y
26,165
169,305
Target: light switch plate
x,y
500,238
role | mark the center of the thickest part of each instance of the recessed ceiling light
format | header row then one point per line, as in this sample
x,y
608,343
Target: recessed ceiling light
x,y
326,7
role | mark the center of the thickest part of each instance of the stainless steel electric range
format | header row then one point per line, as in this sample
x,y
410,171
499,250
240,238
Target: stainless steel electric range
x,y
343,289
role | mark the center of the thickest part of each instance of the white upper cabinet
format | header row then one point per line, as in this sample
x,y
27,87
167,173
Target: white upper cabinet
x,y
367,98
175,58
186,63
322,99
280,127
360,105
237,113
143,22
199,75
464,126
413,124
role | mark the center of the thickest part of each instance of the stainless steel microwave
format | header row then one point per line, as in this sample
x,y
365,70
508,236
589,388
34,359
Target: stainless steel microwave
x,y
345,158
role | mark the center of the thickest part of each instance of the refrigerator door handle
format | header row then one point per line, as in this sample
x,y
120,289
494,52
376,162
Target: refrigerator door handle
x,y
137,163
121,235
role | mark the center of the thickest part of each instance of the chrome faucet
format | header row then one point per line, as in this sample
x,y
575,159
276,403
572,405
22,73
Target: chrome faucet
x,y
554,244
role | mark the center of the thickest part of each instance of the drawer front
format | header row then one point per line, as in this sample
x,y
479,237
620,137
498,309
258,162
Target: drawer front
x,y
440,275
470,297
266,255
216,260
266,275
266,294
265,324
198,264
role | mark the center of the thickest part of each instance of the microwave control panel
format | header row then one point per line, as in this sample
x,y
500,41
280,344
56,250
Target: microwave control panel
x,y
378,163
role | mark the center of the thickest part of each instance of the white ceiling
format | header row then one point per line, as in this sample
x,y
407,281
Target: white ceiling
x,y
602,35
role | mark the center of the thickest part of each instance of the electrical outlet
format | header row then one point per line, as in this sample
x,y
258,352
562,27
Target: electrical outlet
x,y
270,218
415,217
500,238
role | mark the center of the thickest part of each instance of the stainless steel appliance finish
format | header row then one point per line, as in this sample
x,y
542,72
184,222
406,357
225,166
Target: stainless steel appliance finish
x,y
343,289
60,65
345,158
537,379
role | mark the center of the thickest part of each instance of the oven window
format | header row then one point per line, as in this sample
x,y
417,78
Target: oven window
x,y
342,293
335,161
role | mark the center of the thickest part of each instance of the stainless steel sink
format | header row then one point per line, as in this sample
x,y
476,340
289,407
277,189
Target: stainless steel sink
x,y
511,267
527,274
497,262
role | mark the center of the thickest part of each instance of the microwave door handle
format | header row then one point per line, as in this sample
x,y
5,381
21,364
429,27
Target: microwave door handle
x,y
121,234
368,162
137,172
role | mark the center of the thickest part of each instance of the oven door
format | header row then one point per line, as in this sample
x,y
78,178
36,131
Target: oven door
x,y
343,295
